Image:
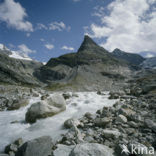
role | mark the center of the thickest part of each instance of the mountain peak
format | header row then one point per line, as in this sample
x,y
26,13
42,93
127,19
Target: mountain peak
x,y
118,51
87,44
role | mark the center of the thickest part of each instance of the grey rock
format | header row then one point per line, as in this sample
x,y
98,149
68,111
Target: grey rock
x,y
89,115
18,103
62,150
150,124
127,112
49,107
102,122
71,122
111,133
38,147
91,149
121,118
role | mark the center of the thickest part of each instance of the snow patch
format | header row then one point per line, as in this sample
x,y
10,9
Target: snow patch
x,y
16,55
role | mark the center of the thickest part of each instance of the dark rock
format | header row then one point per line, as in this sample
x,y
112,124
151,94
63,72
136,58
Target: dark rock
x,y
18,103
38,147
11,147
66,95
71,122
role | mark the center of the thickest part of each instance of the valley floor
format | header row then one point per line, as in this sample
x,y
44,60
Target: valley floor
x,y
13,126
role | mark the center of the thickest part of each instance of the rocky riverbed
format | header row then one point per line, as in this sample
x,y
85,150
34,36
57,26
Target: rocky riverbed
x,y
91,125
14,125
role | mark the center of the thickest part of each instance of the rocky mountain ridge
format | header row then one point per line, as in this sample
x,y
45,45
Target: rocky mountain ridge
x,y
81,70
131,58
90,68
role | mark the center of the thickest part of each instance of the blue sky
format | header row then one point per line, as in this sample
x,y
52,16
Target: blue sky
x,y
45,29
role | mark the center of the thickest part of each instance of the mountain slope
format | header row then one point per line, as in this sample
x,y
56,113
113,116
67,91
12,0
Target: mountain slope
x,y
134,59
13,54
149,63
17,71
92,67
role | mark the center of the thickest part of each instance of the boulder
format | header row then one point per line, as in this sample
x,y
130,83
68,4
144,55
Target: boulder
x,y
108,133
11,148
71,122
38,147
62,150
46,108
91,149
127,112
116,95
89,116
102,122
150,124
121,118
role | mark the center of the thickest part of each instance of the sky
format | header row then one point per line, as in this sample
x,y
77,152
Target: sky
x,y
46,29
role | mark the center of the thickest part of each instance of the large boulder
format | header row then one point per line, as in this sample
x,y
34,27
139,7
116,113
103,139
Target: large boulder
x,y
46,108
38,147
62,150
91,149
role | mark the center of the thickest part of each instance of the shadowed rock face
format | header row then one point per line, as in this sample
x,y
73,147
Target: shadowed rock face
x,y
129,57
92,64
16,71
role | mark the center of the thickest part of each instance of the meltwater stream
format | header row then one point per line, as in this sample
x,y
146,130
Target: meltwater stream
x,y
52,126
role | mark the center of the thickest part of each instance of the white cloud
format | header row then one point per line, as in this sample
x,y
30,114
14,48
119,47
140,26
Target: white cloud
x,y
41,26
14,15
49,46
67,48
24,49
60,26
129,25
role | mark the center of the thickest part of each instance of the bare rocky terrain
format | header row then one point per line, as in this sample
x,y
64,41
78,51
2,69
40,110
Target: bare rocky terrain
x,y
130,122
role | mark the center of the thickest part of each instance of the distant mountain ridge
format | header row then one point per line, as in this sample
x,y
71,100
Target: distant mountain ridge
x,y
90,68
149,63
132,58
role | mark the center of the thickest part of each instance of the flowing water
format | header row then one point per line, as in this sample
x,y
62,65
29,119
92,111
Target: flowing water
x,y
52,126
